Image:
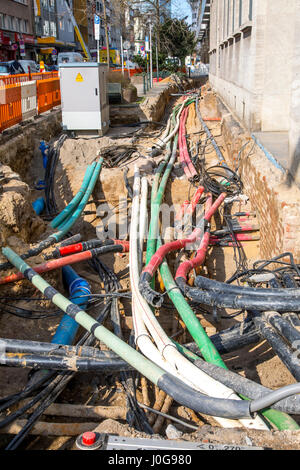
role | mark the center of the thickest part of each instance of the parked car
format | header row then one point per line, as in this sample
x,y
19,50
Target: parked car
x,y
52,68
66,57
28,63
5,68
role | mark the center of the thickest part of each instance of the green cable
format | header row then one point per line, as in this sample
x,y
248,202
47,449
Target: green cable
x,y
65,214
65,227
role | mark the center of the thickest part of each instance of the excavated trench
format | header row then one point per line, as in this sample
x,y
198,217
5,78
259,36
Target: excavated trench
x,y
108,211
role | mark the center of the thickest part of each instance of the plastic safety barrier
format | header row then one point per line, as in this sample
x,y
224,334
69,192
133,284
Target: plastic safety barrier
x,y
10,106
26,77
28,97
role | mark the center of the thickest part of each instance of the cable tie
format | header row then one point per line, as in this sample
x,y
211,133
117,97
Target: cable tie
x,y
169,290
165,347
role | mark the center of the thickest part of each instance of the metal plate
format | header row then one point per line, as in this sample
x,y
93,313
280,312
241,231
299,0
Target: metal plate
x,y
125,443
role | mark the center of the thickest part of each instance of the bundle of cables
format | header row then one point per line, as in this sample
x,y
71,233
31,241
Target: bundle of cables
x,y
217,179
44,386
67,218
207,347
52,159
119,155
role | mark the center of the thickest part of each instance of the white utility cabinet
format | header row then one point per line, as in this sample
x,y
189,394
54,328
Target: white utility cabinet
x,y
84,96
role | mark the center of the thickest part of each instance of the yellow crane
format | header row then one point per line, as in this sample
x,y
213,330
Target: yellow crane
x,y
78,33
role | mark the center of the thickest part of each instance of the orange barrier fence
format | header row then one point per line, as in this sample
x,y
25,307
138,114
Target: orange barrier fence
x,y
10,106
48,94
25,77
44,75
56,92
22,100
131,71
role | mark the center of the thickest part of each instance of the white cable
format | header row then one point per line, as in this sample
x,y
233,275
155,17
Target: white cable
x,y
167,136
143,218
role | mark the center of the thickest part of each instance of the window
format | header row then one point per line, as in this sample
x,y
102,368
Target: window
x,y
46,28
70,26
2,21
11,22
61,24
241,13
26,26
250,10
53,29
18,25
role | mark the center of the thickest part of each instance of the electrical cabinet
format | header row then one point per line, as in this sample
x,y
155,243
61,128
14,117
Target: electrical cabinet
x,y
84,96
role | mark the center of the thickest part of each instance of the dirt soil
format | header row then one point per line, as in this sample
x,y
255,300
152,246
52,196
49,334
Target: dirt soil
x,y
255,362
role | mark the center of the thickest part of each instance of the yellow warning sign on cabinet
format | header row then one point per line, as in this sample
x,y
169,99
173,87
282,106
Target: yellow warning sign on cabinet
x,y
79,78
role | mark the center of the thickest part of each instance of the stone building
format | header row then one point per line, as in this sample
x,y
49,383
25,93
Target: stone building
x,y
255,68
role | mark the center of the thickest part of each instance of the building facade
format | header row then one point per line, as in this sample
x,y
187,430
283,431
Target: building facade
x,y
255,62
53,28
65,29
16,30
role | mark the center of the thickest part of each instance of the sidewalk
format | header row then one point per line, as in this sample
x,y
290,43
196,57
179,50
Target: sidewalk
x,y
157,87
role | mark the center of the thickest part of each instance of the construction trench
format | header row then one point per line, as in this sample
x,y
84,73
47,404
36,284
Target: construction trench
x,y
176,239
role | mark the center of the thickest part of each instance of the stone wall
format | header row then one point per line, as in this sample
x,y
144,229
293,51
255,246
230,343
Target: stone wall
x,y
18,143
17,147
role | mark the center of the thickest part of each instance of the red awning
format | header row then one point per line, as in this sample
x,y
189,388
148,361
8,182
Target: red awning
x,y
4,40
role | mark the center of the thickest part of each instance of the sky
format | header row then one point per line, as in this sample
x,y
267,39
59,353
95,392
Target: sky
x,y
181,8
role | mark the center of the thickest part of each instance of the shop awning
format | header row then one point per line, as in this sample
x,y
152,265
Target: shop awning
x,y
50,40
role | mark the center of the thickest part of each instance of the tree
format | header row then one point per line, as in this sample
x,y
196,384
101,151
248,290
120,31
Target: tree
x,y
177,40
154,11
106,32
140,61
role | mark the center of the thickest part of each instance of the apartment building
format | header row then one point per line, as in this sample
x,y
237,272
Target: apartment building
x,y
16,30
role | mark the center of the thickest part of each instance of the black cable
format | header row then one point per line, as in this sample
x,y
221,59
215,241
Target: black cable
x,y
234,338
53,156
128,187
54,388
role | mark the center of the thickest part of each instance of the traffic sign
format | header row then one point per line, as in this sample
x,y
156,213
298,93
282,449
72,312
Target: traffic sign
x,y
97,27
126,45
147,48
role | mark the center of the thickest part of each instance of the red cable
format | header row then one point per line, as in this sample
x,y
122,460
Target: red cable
x,y
54,264
49,266
239,237
189,207
185,160
180,146
78,247
162,251
186,266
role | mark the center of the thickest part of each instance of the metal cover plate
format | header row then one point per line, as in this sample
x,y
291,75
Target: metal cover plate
x,y
125,443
